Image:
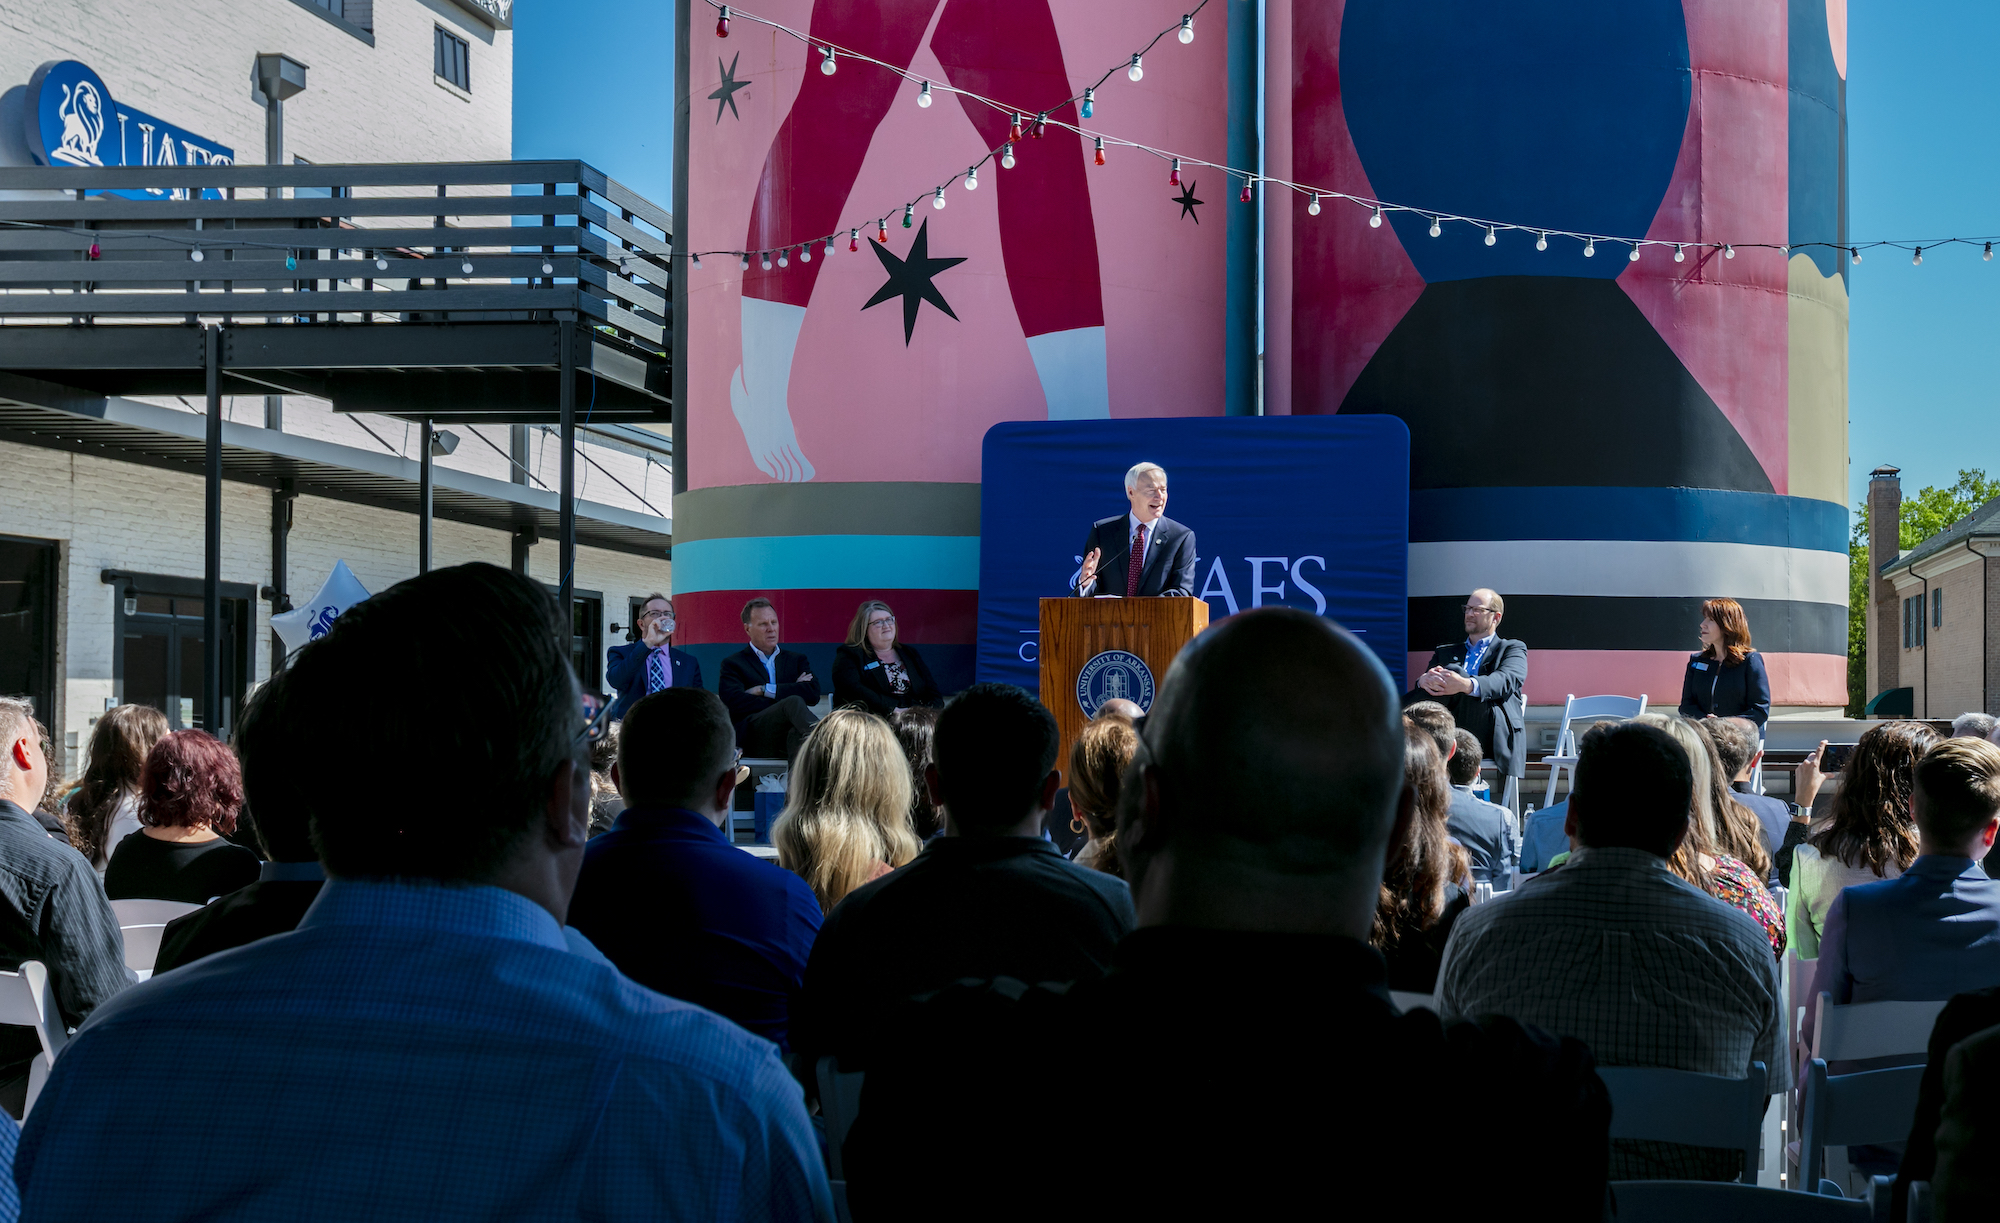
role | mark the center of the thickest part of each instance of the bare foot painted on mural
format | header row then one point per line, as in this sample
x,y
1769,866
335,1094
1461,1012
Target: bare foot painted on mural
x,y
757,393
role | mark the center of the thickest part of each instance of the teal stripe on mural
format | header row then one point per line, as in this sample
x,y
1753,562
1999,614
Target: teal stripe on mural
x,y
828,562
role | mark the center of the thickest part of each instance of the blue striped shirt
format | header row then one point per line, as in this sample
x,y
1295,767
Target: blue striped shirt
x,y
415,1052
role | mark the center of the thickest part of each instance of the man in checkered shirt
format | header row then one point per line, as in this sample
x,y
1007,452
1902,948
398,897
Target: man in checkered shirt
x,y
1619,952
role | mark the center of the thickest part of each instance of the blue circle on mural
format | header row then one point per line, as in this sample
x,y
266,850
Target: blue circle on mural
x,y
1114,675
70,117
1564,113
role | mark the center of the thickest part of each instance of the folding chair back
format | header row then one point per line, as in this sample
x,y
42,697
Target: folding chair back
x,y
840,1104
1704,1110
1860,1030
1844,1110
1404,1000
28,1001
1583,709
149,912
1720,1202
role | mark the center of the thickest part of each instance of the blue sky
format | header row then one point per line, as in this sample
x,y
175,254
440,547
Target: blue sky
x,y
594,79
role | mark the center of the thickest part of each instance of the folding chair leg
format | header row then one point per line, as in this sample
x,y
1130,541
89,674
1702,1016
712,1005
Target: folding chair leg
x,y
1773,1143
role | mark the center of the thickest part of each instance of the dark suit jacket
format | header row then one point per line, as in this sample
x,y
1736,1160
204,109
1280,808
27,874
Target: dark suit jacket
x,y
1169,557
1739,691
265,908
1492,710
1962,1017
744,670
626,672
858,678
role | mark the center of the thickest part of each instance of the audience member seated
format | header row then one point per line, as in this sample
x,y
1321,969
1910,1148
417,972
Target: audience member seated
x,y
1425,880
1483,832
1974,725
1705,857
1934,930
876,669
188,798
989,898
1543,838
605,801
49,812
290,878
913,727
1097,763
1967,1181
1469,811
1966,1015
104,809
639,668
1619,951
1869,835
1742,754
51,907
769,691
1739,833
847,812
426,1042
667,896
1244,1033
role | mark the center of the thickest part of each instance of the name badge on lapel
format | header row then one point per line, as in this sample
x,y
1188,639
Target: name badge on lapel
x,y
871,666
1701,666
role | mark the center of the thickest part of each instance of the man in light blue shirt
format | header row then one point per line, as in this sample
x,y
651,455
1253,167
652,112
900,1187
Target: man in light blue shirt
x,y
1934,930
426,1044
1542,837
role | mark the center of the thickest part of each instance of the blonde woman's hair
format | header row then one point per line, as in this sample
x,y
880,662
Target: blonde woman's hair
x,y
848,810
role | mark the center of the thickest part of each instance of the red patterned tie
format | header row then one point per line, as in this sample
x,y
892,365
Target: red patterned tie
x,y
1137,563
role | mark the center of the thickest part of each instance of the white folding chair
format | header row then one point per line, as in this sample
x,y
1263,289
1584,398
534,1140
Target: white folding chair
x,y
26,1000
142,922
840,1104
1850,1033
1405,1000
1583,709
1705,1110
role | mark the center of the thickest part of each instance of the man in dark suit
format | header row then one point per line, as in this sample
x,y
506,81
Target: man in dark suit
x,y
1141,552
1479,681
769,691
649,664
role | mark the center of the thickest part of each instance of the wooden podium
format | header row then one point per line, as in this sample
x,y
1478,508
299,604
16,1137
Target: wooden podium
x,y
1076,631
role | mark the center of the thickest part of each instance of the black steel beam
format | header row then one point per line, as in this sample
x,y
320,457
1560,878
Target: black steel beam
x,y
424,481
211,615
566,495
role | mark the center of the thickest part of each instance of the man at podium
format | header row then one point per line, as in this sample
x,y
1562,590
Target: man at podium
x,y
1141,552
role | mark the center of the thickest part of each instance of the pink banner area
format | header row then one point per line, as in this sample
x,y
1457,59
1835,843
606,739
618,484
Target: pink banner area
x,y
1804,679
1058,289
1726,318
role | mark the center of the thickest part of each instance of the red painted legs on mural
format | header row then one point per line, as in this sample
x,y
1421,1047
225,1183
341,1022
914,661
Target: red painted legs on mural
x,y
1048,240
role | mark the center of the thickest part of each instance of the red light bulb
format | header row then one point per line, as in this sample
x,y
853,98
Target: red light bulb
x,y
1100,150
853,239
1174,175
722,23
1245,197
881,231
1014,129
1041,126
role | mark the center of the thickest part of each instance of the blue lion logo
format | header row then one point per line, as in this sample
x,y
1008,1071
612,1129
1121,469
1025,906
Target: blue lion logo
x,y
323,622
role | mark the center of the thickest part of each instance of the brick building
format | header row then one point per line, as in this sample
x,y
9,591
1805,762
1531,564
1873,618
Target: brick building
x,y
101,550
1933,613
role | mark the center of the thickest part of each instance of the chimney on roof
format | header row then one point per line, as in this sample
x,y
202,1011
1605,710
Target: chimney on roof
x,y
1885,517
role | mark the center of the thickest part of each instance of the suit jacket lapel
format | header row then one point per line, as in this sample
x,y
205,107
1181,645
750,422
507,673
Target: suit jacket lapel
x,y
1159,537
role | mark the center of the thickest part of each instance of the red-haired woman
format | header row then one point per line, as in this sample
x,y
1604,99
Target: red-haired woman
x,y
1727,679
189,795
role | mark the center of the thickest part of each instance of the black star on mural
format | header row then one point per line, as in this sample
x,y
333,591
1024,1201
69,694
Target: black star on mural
x,y
910,279
1187,201
725,95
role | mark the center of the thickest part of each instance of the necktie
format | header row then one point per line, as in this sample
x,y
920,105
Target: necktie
x,y
1137,563
656,671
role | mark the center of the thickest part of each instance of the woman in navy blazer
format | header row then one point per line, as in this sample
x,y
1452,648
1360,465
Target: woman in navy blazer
x,y
1727,679
626,666
877,671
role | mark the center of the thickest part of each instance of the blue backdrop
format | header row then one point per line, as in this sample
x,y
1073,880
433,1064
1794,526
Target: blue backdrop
x,y
1311,512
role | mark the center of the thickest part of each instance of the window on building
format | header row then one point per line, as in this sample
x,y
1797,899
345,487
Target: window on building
x,y
587,638
157,648
1937,608
337,7
454,59
28,583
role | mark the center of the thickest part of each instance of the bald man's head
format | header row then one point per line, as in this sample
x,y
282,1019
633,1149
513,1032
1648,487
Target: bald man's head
x,y
1277,743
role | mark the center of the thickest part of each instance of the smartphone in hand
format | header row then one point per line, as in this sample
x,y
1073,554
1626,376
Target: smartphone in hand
x,y
1833,757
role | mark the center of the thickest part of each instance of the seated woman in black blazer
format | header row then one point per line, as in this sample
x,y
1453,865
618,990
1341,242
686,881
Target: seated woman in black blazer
x,y
875,670
1727,679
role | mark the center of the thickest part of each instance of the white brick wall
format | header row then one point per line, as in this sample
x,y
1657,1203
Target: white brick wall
x,y
191,63
114,515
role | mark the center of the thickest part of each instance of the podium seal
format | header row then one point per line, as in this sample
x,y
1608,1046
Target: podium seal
x,y
1112,675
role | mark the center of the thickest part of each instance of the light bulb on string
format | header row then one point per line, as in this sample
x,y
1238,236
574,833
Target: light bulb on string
x,y
1590,248
1542,241
937,201
1917,257
1375,221
806,253
1089,103
195,255
924,94
743,261
1041,125
1436,228
1007,156
1137,71
291,262
1312,206
785,257
466,267
826,65
1728,251
881,231
829,246
548,268
972,178
1856,252
381,264
853,240
1014,128
95,250
1187,29
1633,257
1491,237
1174,174
1988,254
1100,150
722,23
764,260
1680,255
909,215
1246,195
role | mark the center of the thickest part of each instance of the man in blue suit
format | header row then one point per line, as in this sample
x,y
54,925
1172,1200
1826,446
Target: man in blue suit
x,y
1934,930
649,664
1141,552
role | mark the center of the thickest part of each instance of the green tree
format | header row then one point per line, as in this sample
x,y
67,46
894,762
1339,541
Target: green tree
x,y
1930,511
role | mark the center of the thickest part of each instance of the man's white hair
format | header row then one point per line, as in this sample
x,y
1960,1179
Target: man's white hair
x,y
1975,725
1140,469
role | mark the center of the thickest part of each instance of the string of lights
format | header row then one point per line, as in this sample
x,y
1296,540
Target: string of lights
x,y
1022,126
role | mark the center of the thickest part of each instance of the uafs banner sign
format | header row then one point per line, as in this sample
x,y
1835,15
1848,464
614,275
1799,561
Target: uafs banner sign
x,y
1309,512
72,120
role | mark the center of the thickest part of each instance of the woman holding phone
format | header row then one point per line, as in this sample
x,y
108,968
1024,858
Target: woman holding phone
x,y
1727,679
